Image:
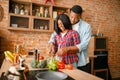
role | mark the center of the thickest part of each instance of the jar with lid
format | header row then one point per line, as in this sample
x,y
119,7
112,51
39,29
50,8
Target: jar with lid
x,y
16,11
37,12
46,27
26,12
41,11
46,12
22,9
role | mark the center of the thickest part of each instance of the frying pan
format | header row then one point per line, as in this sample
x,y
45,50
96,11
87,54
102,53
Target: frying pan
x,y
51,75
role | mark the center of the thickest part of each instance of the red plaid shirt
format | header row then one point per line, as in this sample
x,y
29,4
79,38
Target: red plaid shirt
x,y
71,38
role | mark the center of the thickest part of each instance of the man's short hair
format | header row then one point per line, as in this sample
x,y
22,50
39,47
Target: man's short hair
x,y
77,9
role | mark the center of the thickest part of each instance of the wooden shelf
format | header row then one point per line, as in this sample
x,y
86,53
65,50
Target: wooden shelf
x,y
19,15
31,21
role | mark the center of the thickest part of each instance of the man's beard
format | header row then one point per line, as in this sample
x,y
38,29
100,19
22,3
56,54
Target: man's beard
x,y
75,22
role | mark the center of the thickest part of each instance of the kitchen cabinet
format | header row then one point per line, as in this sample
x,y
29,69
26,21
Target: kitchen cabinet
x,y
98,53
33,16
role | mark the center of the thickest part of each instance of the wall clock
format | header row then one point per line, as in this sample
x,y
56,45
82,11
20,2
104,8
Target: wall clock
x,y
1,13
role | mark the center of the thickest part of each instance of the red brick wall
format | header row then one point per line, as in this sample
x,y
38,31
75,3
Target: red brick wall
x,y
104,14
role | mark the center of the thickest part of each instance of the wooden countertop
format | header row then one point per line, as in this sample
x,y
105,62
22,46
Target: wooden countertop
x,y
75,73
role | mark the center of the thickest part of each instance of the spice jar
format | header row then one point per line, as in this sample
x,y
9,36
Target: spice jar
x,y
16,9
22,9
41,11
46,13
37,12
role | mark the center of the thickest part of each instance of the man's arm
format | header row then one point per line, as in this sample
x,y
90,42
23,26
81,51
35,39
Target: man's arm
x,y
52,37
85,38
51,42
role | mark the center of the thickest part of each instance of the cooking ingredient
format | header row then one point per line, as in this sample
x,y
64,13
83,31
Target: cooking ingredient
x,y
39,64
52,63
52,66
69,66
41,58
16,9
9,56
33,63
46,12
16,58
22,9
41,11
60,65
42,64
35,54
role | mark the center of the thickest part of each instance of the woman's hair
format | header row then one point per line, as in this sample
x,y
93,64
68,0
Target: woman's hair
x,y
66,22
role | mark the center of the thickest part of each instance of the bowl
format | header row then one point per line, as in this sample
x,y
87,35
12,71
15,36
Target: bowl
x,y
51,75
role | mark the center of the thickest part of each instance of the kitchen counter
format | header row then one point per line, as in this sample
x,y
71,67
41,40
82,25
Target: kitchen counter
x,y
75,73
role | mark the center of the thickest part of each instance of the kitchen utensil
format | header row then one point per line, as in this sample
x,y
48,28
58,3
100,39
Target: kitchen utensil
x,y
51,75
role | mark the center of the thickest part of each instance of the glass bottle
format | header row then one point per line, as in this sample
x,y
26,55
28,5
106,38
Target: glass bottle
x,y
22,9
26,12
41,11
16,11
46,13
37,12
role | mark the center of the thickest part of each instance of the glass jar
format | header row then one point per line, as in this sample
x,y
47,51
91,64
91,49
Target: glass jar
x,y
46,13
41,11
37,12
22,9
16,11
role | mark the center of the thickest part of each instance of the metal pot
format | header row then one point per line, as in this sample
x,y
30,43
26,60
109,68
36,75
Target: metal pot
x,y
51,75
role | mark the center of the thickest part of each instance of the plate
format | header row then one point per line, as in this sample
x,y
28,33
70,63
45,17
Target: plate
x,y
51,75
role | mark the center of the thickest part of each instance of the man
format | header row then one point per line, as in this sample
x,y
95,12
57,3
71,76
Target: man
x,y
84,30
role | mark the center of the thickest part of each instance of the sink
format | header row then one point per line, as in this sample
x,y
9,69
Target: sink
x,y
51,75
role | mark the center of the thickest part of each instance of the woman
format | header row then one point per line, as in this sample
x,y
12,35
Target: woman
x,y
66,37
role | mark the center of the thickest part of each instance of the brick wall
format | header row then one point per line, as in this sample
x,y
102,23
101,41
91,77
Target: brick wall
x,y
104,14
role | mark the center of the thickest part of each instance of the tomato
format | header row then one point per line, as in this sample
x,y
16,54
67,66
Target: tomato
x,y
60,65
69,66
41,58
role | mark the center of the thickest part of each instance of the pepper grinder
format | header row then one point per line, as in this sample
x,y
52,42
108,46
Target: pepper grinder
x,y
21,63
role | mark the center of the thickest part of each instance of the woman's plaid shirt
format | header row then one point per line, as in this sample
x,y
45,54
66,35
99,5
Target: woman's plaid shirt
x,y
71,38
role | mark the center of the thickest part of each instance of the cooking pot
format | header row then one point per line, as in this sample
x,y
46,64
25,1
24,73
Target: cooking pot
x,y
51,75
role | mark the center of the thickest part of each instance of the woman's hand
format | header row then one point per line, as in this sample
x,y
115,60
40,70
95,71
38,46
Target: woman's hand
x,y
62,51
71,49
50,48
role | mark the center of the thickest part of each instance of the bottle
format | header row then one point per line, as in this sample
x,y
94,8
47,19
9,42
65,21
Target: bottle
x,y
37,12
41,11
16,9
35,54
46,13
16,59
38,55
26,12
22,9
46,27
